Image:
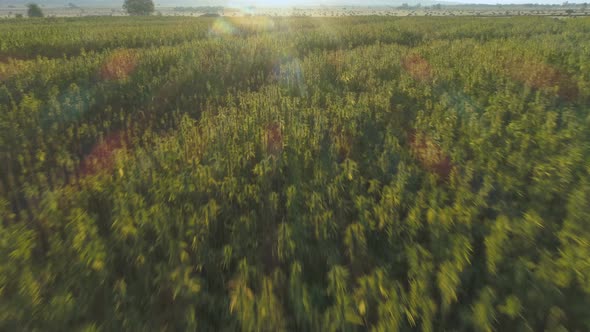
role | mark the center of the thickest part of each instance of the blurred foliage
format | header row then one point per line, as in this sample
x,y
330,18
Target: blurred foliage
x,y
139,7
33,10
269,174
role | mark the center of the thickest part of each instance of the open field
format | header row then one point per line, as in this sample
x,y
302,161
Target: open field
x,y
295,174
323,11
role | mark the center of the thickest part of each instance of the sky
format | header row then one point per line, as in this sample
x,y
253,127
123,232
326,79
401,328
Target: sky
x,y
271,3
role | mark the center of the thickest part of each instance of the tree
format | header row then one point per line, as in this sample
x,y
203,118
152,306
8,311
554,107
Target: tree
x,y
34,10
139,7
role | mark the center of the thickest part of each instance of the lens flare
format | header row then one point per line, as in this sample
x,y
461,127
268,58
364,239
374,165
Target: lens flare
x,y
102,156
289,72
273,136
119,65
430,155
262,23
222,27
417,67
539,75
10,68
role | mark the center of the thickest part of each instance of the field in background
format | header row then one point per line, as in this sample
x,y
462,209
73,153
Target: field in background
x,y
573,10
303,174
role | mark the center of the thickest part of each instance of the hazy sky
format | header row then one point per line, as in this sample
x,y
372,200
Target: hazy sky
x,y
273,3
354,2
282,3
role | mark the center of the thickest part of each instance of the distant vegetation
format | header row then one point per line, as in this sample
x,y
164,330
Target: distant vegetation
x,y
139,7
271,174
203,9
33,10
210,15
404,9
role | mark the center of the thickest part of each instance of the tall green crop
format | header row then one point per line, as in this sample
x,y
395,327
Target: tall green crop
x,y
367,173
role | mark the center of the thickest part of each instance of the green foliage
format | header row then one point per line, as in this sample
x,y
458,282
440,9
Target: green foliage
x,y
295,174
139,7
33,10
